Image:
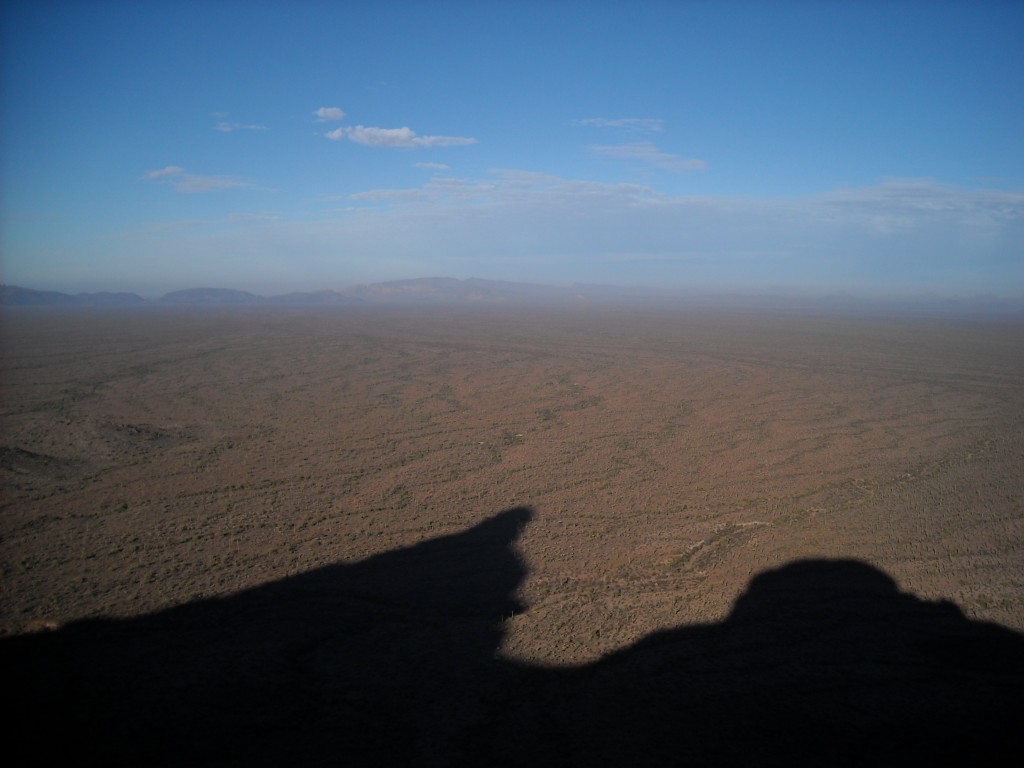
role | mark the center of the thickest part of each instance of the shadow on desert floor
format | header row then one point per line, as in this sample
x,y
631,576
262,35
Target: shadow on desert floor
x,y
393,661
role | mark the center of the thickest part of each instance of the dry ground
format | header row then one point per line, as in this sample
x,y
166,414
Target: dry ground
x,y
152,458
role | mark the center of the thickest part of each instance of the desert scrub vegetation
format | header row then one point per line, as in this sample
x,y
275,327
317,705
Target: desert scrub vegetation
x,y
262,444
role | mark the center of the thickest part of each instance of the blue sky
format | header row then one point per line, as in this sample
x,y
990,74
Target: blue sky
x,y
865,147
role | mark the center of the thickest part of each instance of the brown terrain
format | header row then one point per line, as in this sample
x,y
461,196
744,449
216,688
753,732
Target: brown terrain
x,y
470,536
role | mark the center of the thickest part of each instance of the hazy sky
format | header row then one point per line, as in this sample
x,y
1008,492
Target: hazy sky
x,y
859,146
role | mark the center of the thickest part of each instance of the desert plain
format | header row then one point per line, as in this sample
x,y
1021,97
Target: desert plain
x,y
639,468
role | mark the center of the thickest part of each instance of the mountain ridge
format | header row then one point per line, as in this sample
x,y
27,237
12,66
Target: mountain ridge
x,y
443,291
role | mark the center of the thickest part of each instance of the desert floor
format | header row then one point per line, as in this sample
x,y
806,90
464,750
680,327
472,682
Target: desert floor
x,y
153,458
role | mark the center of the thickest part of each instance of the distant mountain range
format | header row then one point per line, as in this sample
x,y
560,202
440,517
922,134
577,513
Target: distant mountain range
x,y
429,290
11,295
426,290
27,297
449,291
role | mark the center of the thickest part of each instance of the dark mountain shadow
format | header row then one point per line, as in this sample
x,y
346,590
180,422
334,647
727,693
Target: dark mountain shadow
x,y
389,659
821,662
392,661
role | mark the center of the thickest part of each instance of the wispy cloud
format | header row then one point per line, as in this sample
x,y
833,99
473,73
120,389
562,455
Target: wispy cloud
x,y
431,166
899,234
404,138
192,183
252,216
380,195
369,136
236,220
652,124
647,152
884,235
225,127
169,170
929,196
901,207
507,187
329,114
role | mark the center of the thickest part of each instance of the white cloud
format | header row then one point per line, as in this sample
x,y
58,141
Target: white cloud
x,y
176,176
382,137
647,152
404,137
431,166
329,114
651,124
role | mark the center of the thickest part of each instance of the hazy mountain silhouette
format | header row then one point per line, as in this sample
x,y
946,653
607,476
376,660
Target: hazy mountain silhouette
x,y
12,295
216,297
447,291
392,661
225,297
